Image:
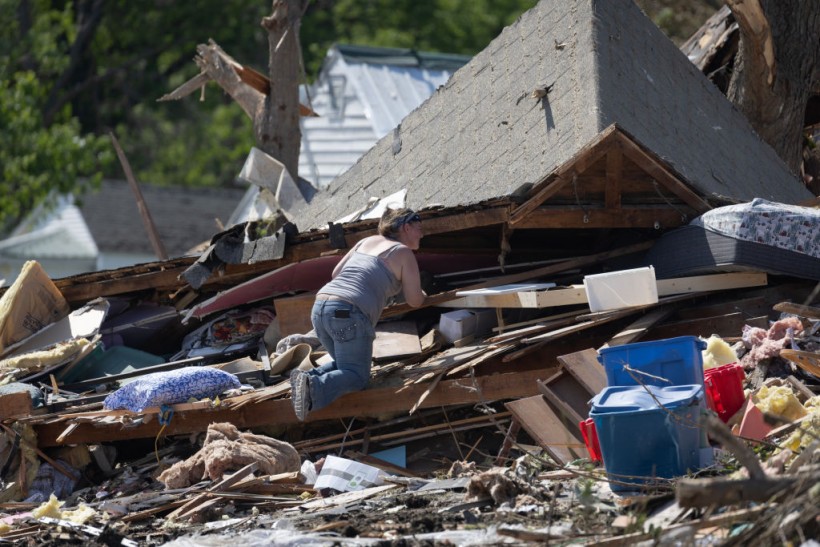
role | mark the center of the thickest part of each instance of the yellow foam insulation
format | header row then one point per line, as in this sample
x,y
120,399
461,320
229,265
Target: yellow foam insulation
x,y
780,401
45,358
80,515
718,353
50,508
809,428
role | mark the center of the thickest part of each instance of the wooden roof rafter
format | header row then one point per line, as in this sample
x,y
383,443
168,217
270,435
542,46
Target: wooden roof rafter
x,y
613,158
555,181
655,168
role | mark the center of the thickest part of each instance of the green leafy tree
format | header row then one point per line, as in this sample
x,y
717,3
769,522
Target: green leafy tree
x,y
38,157
679,19
73,71
447,26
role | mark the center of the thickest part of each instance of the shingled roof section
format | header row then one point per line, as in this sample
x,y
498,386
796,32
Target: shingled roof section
x,y
184,217
484,135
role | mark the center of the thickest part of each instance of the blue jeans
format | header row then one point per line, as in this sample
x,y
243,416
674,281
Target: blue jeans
x,y
349,341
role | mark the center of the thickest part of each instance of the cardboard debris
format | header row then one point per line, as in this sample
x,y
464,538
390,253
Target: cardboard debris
x,y
30,304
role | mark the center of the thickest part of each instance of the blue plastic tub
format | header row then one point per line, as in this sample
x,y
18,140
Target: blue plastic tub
x,y
678,360
641,441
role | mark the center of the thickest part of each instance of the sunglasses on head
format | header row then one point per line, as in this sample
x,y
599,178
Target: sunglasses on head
x,y
407,219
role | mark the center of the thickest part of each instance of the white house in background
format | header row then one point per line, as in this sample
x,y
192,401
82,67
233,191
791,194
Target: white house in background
x,y
106,230
59,239
361,94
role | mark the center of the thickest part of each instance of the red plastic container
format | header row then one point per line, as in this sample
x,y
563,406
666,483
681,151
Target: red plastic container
x,y
724,389
591,439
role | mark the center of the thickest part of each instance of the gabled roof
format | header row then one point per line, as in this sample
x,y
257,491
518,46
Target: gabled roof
x,y
361,94
58,232
543,90
184,217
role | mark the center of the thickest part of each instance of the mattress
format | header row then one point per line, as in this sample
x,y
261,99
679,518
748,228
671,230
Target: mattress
x,y
757,236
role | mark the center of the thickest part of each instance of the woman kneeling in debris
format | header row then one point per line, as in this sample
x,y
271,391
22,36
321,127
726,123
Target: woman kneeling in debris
x,y
348,307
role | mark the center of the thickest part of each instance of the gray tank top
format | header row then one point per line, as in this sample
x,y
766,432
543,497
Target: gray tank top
x,y
367,282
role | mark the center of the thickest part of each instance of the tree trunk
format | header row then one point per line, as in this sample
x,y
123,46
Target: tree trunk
x,y
276,125
774,69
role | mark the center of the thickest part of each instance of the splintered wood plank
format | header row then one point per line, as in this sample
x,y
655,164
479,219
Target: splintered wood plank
x,y
723,325
396,339
427,392
752,307
14,405
293,313
195,503
465,220
539,341
798,309
448,359
81,293
717,282
523,299
567,395
586,368
546,428
576,294
639,328
807,360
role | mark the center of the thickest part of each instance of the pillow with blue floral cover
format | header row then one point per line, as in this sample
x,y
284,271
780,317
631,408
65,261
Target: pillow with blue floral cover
x,y
171,387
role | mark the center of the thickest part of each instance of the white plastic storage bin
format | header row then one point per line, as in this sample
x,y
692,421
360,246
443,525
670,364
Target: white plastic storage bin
x,y
621,289
459,324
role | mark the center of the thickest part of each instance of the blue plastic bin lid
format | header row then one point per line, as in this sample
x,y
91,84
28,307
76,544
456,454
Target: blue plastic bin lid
x,y
636,398
697,342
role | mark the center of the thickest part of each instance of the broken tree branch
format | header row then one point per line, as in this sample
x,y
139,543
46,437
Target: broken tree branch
x,y
754,24
150,227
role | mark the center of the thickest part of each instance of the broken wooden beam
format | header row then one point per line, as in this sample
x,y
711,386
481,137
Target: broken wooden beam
x,y
547,428
809,312
576,294
371,402
721,491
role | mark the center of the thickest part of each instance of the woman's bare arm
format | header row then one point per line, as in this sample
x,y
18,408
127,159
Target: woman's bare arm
x,y
410,278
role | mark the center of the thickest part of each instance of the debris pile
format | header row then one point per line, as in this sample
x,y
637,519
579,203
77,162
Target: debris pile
x,y
498,432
